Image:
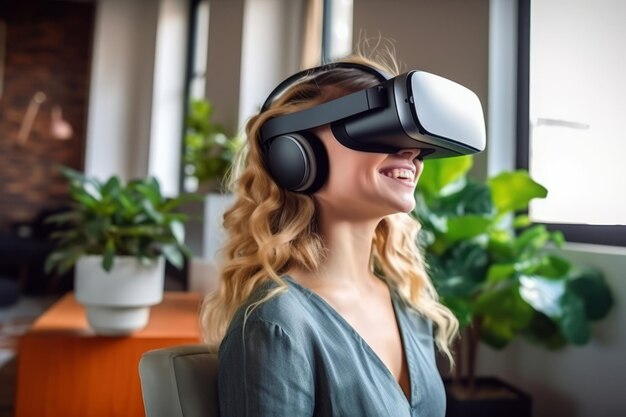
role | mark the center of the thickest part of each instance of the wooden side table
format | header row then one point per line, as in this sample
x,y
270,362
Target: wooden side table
x,y
64,369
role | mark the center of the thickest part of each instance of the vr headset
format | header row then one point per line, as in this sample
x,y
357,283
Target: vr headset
x,y
412,110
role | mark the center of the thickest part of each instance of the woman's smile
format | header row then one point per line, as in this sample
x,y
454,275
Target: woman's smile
x,y
403,173
405,182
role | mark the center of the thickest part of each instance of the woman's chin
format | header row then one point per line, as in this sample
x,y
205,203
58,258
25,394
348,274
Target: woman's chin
x,y
403,206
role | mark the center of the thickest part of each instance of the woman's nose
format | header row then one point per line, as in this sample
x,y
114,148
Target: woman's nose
x,y
409,153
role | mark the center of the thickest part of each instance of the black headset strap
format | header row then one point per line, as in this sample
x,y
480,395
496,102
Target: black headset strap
x,y
381,75
331,111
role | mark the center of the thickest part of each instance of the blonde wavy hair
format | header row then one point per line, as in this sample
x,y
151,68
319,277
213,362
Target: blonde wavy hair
x,y
271,230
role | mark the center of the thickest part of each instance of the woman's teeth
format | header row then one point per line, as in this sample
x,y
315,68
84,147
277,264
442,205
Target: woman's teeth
x,y
399,174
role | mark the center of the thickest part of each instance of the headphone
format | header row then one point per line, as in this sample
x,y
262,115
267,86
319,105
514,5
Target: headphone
x,y
298,160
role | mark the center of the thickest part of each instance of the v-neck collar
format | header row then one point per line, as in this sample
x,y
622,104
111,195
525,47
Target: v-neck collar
x,y
399,316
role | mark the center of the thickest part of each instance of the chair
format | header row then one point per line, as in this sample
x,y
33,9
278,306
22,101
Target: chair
x,y
179,381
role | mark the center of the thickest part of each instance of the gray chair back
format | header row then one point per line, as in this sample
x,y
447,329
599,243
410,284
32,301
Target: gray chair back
x,y
179,381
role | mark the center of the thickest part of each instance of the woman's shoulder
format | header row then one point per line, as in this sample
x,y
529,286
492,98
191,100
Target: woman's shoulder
x,y
273,305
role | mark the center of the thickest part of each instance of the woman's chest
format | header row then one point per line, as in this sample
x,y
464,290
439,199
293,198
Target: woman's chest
x,y
376,323
353,380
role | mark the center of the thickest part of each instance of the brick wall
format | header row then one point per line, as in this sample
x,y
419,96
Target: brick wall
x,y
48,49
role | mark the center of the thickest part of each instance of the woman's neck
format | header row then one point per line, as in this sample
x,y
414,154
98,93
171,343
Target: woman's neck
x,y
349,244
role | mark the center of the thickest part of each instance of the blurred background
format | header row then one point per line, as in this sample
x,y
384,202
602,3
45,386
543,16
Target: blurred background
x,y
163,88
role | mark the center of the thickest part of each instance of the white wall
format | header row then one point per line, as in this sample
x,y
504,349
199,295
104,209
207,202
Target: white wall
x,y
168,96
253,45
501,129
272,37
118,128
223,69
136,94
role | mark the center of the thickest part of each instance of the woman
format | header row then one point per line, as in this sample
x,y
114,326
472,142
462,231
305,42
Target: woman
x,y
325,307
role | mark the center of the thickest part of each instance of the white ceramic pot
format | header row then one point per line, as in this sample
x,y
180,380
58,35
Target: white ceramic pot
x,y
118,302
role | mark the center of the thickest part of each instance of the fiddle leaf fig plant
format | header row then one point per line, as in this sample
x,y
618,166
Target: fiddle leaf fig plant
x,y
114,219
494,269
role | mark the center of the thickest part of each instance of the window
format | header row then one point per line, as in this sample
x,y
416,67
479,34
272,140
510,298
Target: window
x,y
198,48
337,29
570,107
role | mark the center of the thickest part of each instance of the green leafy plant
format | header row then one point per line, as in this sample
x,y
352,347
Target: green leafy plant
x,y
112,219
494,269
209,151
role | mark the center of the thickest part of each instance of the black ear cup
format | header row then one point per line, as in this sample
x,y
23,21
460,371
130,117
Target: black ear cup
x,y
298,162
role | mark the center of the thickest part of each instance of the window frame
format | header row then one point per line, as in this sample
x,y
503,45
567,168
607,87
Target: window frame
x,y
613,235
189,76
326,28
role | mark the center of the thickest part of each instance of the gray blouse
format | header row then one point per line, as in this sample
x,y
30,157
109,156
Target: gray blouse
x,y
296,356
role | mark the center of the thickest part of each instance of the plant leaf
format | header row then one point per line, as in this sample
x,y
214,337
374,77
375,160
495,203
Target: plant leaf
x,y
69,260
504,312
108,255
544,295
92,188
553,267
440,172
147,231
185,251
573,322
466,227
72,174
531,240
172,203
64,217
521,221
497,334
461,309
152,212
558,238
589,285
112,188
474,198
500,245
178,231
85,200
460,271
149,189
498,272
53,259
513,190
173,255
544,330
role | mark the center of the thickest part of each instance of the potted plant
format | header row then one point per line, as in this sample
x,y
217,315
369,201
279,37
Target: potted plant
x,y
209,150
496,272
209,154
118,237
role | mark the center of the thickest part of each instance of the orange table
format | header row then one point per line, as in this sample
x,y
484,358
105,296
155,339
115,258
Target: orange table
x,y
64,369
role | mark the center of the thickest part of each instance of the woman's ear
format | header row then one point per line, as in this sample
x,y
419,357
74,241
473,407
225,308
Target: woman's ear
x,y
298,161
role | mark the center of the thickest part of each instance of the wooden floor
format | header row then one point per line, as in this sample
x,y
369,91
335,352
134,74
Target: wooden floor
x,y
8,375
15,321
